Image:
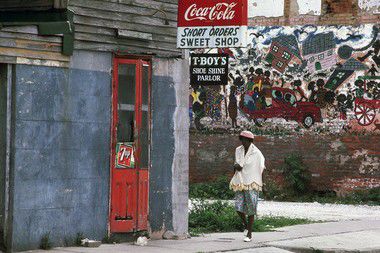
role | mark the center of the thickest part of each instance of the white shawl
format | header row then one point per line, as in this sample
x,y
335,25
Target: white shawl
x,y
253,164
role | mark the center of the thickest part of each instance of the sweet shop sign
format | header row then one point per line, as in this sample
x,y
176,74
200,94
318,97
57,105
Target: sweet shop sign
x,y
212,23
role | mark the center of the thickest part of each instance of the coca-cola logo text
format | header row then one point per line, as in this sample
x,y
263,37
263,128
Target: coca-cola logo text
x,y
221,11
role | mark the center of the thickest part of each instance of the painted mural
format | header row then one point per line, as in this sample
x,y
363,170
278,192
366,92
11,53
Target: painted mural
x,y
305,77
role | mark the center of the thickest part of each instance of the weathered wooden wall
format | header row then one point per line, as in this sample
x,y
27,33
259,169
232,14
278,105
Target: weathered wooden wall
x,y
97,25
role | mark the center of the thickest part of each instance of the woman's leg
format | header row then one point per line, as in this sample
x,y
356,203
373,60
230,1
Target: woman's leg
x,y
251,219
242,216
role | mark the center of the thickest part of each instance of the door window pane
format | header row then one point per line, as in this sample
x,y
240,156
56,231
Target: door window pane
x,y
127,83
126,103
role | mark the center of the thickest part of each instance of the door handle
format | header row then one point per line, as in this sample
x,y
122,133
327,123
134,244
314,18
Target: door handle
x,y
124,218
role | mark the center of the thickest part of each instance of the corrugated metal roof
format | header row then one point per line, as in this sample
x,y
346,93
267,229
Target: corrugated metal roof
x,y
290,42
318,43
353,64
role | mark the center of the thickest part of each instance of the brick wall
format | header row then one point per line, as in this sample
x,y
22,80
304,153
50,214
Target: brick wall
x,y
337,163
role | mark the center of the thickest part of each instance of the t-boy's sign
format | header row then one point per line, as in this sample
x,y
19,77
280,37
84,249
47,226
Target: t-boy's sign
x,y
209,69
212,23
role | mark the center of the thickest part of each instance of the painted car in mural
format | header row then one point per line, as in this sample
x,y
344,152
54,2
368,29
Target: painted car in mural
x,y
283,104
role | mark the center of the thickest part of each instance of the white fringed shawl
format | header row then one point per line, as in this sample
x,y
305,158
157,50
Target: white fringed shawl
x,y
253,164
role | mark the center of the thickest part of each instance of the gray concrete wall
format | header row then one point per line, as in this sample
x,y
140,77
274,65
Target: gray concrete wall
x,y
61,151
170,144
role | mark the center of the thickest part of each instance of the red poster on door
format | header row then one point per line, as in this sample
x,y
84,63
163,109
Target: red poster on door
x,y
125,155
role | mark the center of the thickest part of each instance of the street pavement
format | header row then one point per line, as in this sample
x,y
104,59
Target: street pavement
x,y
342,236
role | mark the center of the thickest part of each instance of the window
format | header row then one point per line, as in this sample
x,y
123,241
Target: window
x,y
321,57
280,64
286,55
340,75
330,52
275,48
311,59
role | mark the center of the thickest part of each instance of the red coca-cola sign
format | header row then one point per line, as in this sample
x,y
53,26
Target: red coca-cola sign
x,y
212,13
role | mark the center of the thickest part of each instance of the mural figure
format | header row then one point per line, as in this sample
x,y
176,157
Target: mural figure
x,y
232,107
342,106
213,103
372,71
199,96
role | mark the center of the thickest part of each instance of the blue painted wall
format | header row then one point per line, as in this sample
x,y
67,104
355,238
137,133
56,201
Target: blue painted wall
x,y
162,153
3,121
61,154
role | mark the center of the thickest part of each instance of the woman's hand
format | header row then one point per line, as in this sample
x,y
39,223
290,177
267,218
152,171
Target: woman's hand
x,y
237,167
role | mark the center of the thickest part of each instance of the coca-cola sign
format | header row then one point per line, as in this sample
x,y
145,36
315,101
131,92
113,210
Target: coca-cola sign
x,y
212,23
221,11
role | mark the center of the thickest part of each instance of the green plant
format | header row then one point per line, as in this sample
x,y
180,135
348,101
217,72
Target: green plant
x,y
219,189
79,238
273,191
45,243
219,216
296,174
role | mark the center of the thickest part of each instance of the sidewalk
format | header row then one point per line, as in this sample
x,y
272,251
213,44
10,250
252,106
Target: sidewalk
x,y
342,236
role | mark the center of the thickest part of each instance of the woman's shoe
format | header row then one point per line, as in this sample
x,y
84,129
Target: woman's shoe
x,y
247,239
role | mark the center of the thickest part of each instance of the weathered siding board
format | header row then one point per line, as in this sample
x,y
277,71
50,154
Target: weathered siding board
x,y
120,8
125,17
30,37
94,21
153,45
27,44
155,4
112,32
34,54
93,46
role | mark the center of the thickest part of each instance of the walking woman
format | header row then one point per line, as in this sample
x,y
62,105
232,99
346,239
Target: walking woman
x,y
247,180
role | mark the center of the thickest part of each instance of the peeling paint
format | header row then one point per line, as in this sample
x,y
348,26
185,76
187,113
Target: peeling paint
x,y
265,8
310,7
372,6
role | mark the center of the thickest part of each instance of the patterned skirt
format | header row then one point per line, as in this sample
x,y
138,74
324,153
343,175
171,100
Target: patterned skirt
x,y
246,201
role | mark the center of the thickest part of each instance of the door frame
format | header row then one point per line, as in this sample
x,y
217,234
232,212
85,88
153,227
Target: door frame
x,y
129,58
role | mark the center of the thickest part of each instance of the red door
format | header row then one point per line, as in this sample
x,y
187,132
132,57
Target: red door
x,y
130,145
